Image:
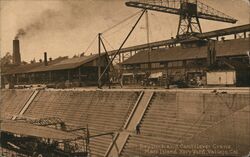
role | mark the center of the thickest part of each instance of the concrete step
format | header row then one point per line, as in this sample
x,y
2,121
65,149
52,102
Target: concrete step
x,y
161,112
156,116
100,142
174,132
163,108
154,140
176,122
163,103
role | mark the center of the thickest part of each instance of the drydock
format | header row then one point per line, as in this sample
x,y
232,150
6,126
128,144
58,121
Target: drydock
x,y
171,121
184,96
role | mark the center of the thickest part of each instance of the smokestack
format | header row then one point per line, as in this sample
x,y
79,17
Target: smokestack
x,y
16,52
45,59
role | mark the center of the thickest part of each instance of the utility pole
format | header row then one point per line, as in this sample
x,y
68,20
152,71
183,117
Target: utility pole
x,y
99,61
149,48
118,51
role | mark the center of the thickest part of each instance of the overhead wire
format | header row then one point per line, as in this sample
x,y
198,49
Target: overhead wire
x,y
112,27
108,43
124,20
91,43
121,27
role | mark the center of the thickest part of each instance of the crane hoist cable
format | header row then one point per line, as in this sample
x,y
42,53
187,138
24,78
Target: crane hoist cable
x,y
122,21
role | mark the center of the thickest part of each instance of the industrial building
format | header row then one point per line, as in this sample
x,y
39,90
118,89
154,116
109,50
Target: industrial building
x,y
162,63
183,64
61,72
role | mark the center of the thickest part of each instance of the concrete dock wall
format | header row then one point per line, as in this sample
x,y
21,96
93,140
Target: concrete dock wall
x,y
209,106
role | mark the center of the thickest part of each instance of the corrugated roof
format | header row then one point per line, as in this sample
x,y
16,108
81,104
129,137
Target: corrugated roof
x,y
66,64
58,64
227,48
25,68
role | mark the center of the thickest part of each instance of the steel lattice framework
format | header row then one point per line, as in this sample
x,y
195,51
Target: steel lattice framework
x,y
189,11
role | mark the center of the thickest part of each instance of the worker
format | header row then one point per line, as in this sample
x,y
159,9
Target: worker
x,y
137,128
110,82
121,81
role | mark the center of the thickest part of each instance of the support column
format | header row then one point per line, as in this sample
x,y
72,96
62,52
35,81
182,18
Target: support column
x,y
29,75
122,57
50,77
79,74
167,77
68,75
17,79
119,57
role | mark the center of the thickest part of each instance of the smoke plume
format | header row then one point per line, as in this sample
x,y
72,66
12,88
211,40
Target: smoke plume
x,y
65,15
40,23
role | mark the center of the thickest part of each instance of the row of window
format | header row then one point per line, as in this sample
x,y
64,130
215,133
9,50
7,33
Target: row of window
x,y
170,64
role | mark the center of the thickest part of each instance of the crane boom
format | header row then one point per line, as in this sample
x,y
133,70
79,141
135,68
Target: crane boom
x,y
203,11
189,13
209,13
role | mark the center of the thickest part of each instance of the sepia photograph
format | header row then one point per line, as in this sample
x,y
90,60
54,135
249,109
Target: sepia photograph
x,y
125,78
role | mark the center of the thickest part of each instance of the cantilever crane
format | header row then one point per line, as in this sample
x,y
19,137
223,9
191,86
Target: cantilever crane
x,y
189,12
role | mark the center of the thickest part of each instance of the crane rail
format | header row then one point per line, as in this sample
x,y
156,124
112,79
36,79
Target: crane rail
x,y
207,35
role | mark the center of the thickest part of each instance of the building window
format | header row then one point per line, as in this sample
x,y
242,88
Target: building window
x,y
157,65
127,67
144,66
175,64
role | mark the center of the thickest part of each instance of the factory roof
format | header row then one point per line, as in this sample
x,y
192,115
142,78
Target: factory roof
x,y
25,68
236,47
66,64
61,63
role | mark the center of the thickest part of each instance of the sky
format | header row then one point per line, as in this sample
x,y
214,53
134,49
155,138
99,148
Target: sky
x,y
67,27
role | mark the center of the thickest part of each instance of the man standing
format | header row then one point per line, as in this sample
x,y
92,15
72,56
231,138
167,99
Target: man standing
x,y
137,128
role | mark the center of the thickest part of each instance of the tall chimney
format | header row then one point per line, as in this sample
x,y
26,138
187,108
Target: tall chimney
x,y
45,59
16,52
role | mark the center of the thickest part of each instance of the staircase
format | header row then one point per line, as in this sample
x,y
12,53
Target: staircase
x,y
161,126
135,118
27,104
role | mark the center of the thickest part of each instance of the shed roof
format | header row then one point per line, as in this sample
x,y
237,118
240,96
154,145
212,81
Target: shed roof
x,y
57,64
25,68
236,47
66,64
